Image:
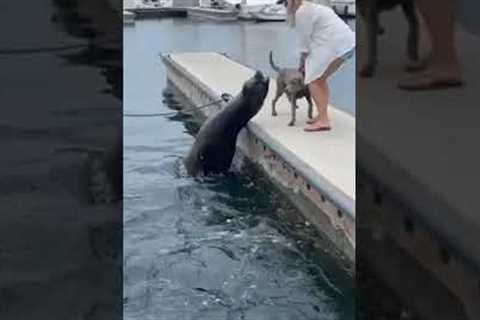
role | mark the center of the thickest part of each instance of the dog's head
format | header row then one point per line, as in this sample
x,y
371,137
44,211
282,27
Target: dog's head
x,y
295,85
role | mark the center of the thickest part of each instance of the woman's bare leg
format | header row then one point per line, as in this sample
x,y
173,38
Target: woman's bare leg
x,y
320,93
443,67
439,16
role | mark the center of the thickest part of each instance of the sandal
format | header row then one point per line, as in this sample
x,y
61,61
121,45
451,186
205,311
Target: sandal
x,y
315,129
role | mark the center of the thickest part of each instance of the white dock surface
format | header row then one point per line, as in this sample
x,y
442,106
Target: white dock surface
x,y
330,154
424,145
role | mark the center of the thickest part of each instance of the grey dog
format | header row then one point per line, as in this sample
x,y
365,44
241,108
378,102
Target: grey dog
x,y
290,81
370,11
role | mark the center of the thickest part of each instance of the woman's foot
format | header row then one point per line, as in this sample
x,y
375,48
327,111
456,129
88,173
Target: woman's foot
x,y
430,81
313,120
318,126
416,66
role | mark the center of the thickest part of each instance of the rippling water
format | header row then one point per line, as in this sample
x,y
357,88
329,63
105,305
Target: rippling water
x,y
226,248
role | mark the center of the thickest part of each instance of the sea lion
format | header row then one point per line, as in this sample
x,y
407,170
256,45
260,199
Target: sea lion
x,y
215,144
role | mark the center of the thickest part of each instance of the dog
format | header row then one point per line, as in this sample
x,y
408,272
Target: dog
x,y
370,11
290,81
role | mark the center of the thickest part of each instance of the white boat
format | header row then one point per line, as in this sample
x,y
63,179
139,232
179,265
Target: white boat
x,y
128,17
150,4
214,10
246,7
344,8
274,12
245,11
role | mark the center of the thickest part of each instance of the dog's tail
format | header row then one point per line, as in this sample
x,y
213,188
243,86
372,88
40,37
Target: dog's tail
x,y
274,66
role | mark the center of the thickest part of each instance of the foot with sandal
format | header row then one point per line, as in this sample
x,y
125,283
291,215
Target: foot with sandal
x,y
320,92
317,124
441,70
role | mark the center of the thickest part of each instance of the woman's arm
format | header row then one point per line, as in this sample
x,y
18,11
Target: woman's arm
x,y
304,27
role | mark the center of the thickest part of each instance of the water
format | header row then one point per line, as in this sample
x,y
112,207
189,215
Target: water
x,y
59,116
227,248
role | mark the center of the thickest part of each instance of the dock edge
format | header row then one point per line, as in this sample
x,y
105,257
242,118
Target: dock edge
x,y
330,210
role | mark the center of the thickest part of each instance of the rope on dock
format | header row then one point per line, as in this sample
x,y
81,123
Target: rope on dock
x,y
225,97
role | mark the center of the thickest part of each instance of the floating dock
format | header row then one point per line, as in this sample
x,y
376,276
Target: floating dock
x,y
418,182
316,170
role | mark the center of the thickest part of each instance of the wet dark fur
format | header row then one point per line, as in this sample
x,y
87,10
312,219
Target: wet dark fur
x,y
290,81
370,11
215,144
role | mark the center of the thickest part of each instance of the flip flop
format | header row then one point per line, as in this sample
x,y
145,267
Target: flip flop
x,y
426,82
316,129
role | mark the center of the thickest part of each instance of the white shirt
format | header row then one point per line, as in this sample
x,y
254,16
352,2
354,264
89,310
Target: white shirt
x,y
323,36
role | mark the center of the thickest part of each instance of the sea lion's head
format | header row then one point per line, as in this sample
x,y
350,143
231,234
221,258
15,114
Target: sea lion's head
x,y
254,92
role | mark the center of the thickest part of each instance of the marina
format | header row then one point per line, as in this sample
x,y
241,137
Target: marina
x,y
324,176
235,246
103,218
225,10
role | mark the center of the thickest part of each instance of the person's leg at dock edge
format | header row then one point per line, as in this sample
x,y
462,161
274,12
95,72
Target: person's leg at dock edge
x,y
325,42
320,93
442,68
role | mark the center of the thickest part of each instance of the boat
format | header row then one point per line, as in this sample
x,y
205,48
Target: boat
x,y
128,17
246,7
158,8
344,8
155,3
218,14
245,11
214,10
274,12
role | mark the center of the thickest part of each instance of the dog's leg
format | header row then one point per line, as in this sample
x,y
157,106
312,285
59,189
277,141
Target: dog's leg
x,y
274,102
293,108
310,105
413,35
278,94
371,21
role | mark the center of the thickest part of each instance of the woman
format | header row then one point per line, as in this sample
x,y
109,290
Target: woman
x,y
325,43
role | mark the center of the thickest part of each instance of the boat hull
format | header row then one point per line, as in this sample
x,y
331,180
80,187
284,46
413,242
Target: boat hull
x,y
213,14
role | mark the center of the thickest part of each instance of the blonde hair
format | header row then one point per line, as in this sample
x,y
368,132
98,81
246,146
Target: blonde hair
x,y
292,6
